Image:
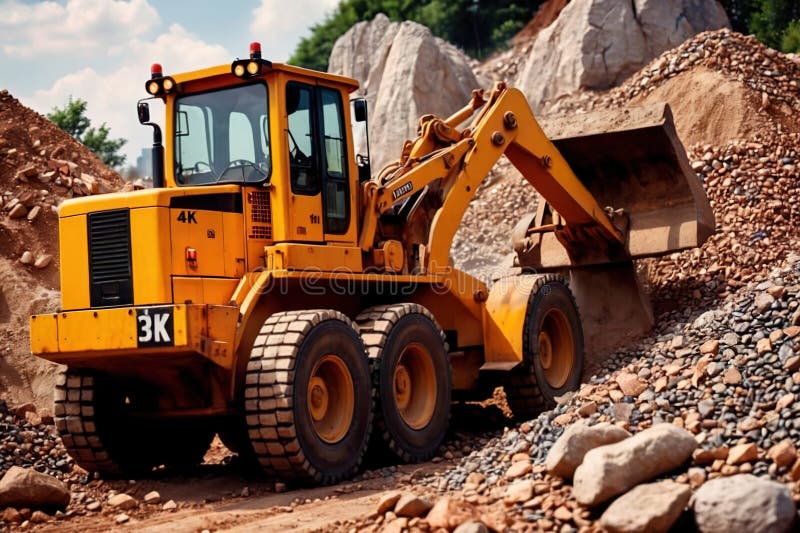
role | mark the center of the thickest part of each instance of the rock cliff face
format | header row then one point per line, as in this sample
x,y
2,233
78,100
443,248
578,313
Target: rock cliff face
x,y
405,72
597,44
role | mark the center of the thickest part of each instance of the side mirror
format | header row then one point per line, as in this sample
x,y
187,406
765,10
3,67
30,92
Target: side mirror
x,y
360,110
143,109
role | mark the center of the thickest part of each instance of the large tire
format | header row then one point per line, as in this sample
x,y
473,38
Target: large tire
x,y
552,341
412,376
308,398
101,436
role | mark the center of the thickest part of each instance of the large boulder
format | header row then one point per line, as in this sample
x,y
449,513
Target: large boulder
x,y
599,43
25,487
405,72
649,508
613,469
743,503
570,448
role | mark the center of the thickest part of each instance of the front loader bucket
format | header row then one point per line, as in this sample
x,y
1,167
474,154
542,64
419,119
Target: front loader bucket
x,y
632,159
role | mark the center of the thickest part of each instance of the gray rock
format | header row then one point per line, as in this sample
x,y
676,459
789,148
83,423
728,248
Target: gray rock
x,y
25,487
743,503
599,43
763,302
568,451
613,469
649,508
405,72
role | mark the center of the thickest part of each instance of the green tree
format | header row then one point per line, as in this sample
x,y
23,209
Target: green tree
x,y
478,26
770,19
72,119
791,37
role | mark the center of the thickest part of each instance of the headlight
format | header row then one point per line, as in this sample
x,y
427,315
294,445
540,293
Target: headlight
x,y
239,70
153,87
169,84
253,68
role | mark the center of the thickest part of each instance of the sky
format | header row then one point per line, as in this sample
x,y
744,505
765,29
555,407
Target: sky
x,y
101,50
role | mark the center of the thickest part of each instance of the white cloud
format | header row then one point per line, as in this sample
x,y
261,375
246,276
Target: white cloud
x,y
279,24
83,27
112,96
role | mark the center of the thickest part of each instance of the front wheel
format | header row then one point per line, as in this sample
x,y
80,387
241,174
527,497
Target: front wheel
x,y
553,350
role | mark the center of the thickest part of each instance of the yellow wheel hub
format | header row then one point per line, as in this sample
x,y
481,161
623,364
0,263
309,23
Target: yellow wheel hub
x,y
556,348
414,386
331,399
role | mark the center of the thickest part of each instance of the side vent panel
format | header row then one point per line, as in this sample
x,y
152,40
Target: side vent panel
x,y
110,272
260,215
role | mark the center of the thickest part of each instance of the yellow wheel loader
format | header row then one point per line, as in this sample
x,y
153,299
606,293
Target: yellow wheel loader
x,y
270,289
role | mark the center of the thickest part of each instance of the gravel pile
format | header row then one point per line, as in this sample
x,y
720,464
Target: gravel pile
x,y
27,440
774,76
730,376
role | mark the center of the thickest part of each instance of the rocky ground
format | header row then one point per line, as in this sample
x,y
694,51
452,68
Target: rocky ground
x,y
726,378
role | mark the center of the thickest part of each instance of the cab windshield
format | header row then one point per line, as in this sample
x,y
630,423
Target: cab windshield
x,y
223,136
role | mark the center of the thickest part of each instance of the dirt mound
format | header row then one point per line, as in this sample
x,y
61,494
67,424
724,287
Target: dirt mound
x,y
40,166
546,15
735,103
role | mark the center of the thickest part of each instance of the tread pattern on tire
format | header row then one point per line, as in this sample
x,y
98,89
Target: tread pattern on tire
x,y
269,395
375,323
523,394
74,417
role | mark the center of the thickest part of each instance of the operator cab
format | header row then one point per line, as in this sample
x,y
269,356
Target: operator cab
x,y
268,126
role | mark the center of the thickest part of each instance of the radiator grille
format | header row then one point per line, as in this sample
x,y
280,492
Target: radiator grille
x,y
260,215
110,272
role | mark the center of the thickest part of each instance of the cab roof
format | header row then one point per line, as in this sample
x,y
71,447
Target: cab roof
x,y
349,83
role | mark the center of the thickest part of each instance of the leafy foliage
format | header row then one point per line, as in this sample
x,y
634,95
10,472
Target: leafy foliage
x,y
774,22
478,26
72,119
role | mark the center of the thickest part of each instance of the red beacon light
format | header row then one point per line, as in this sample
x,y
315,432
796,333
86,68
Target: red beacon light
x,y
156,71
255,50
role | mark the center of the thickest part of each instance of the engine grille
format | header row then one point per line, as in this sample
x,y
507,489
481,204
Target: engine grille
x,y
110,272
260,215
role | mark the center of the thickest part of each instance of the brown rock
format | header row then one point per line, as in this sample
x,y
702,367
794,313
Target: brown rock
x,y
630,384
784,401
25,487
11,516
24,409
448,513
763,346
519,492
742,453
588,409
18,211
650,508
792,364
411,506
519,469
783,454
570,448
27,258
732,376
710,347
43,261
613,469
387,502
122,501
33,213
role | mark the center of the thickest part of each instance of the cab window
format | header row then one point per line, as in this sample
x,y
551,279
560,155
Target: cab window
x,y
222,136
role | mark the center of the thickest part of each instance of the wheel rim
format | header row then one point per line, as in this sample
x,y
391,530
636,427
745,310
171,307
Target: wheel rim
x,y
556,348
330,399
414,386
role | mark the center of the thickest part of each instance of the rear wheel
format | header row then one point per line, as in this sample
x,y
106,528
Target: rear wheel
x,y
92,414
412,376
308,400
553,350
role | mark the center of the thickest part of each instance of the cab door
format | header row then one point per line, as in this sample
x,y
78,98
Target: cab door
x,y
305,200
